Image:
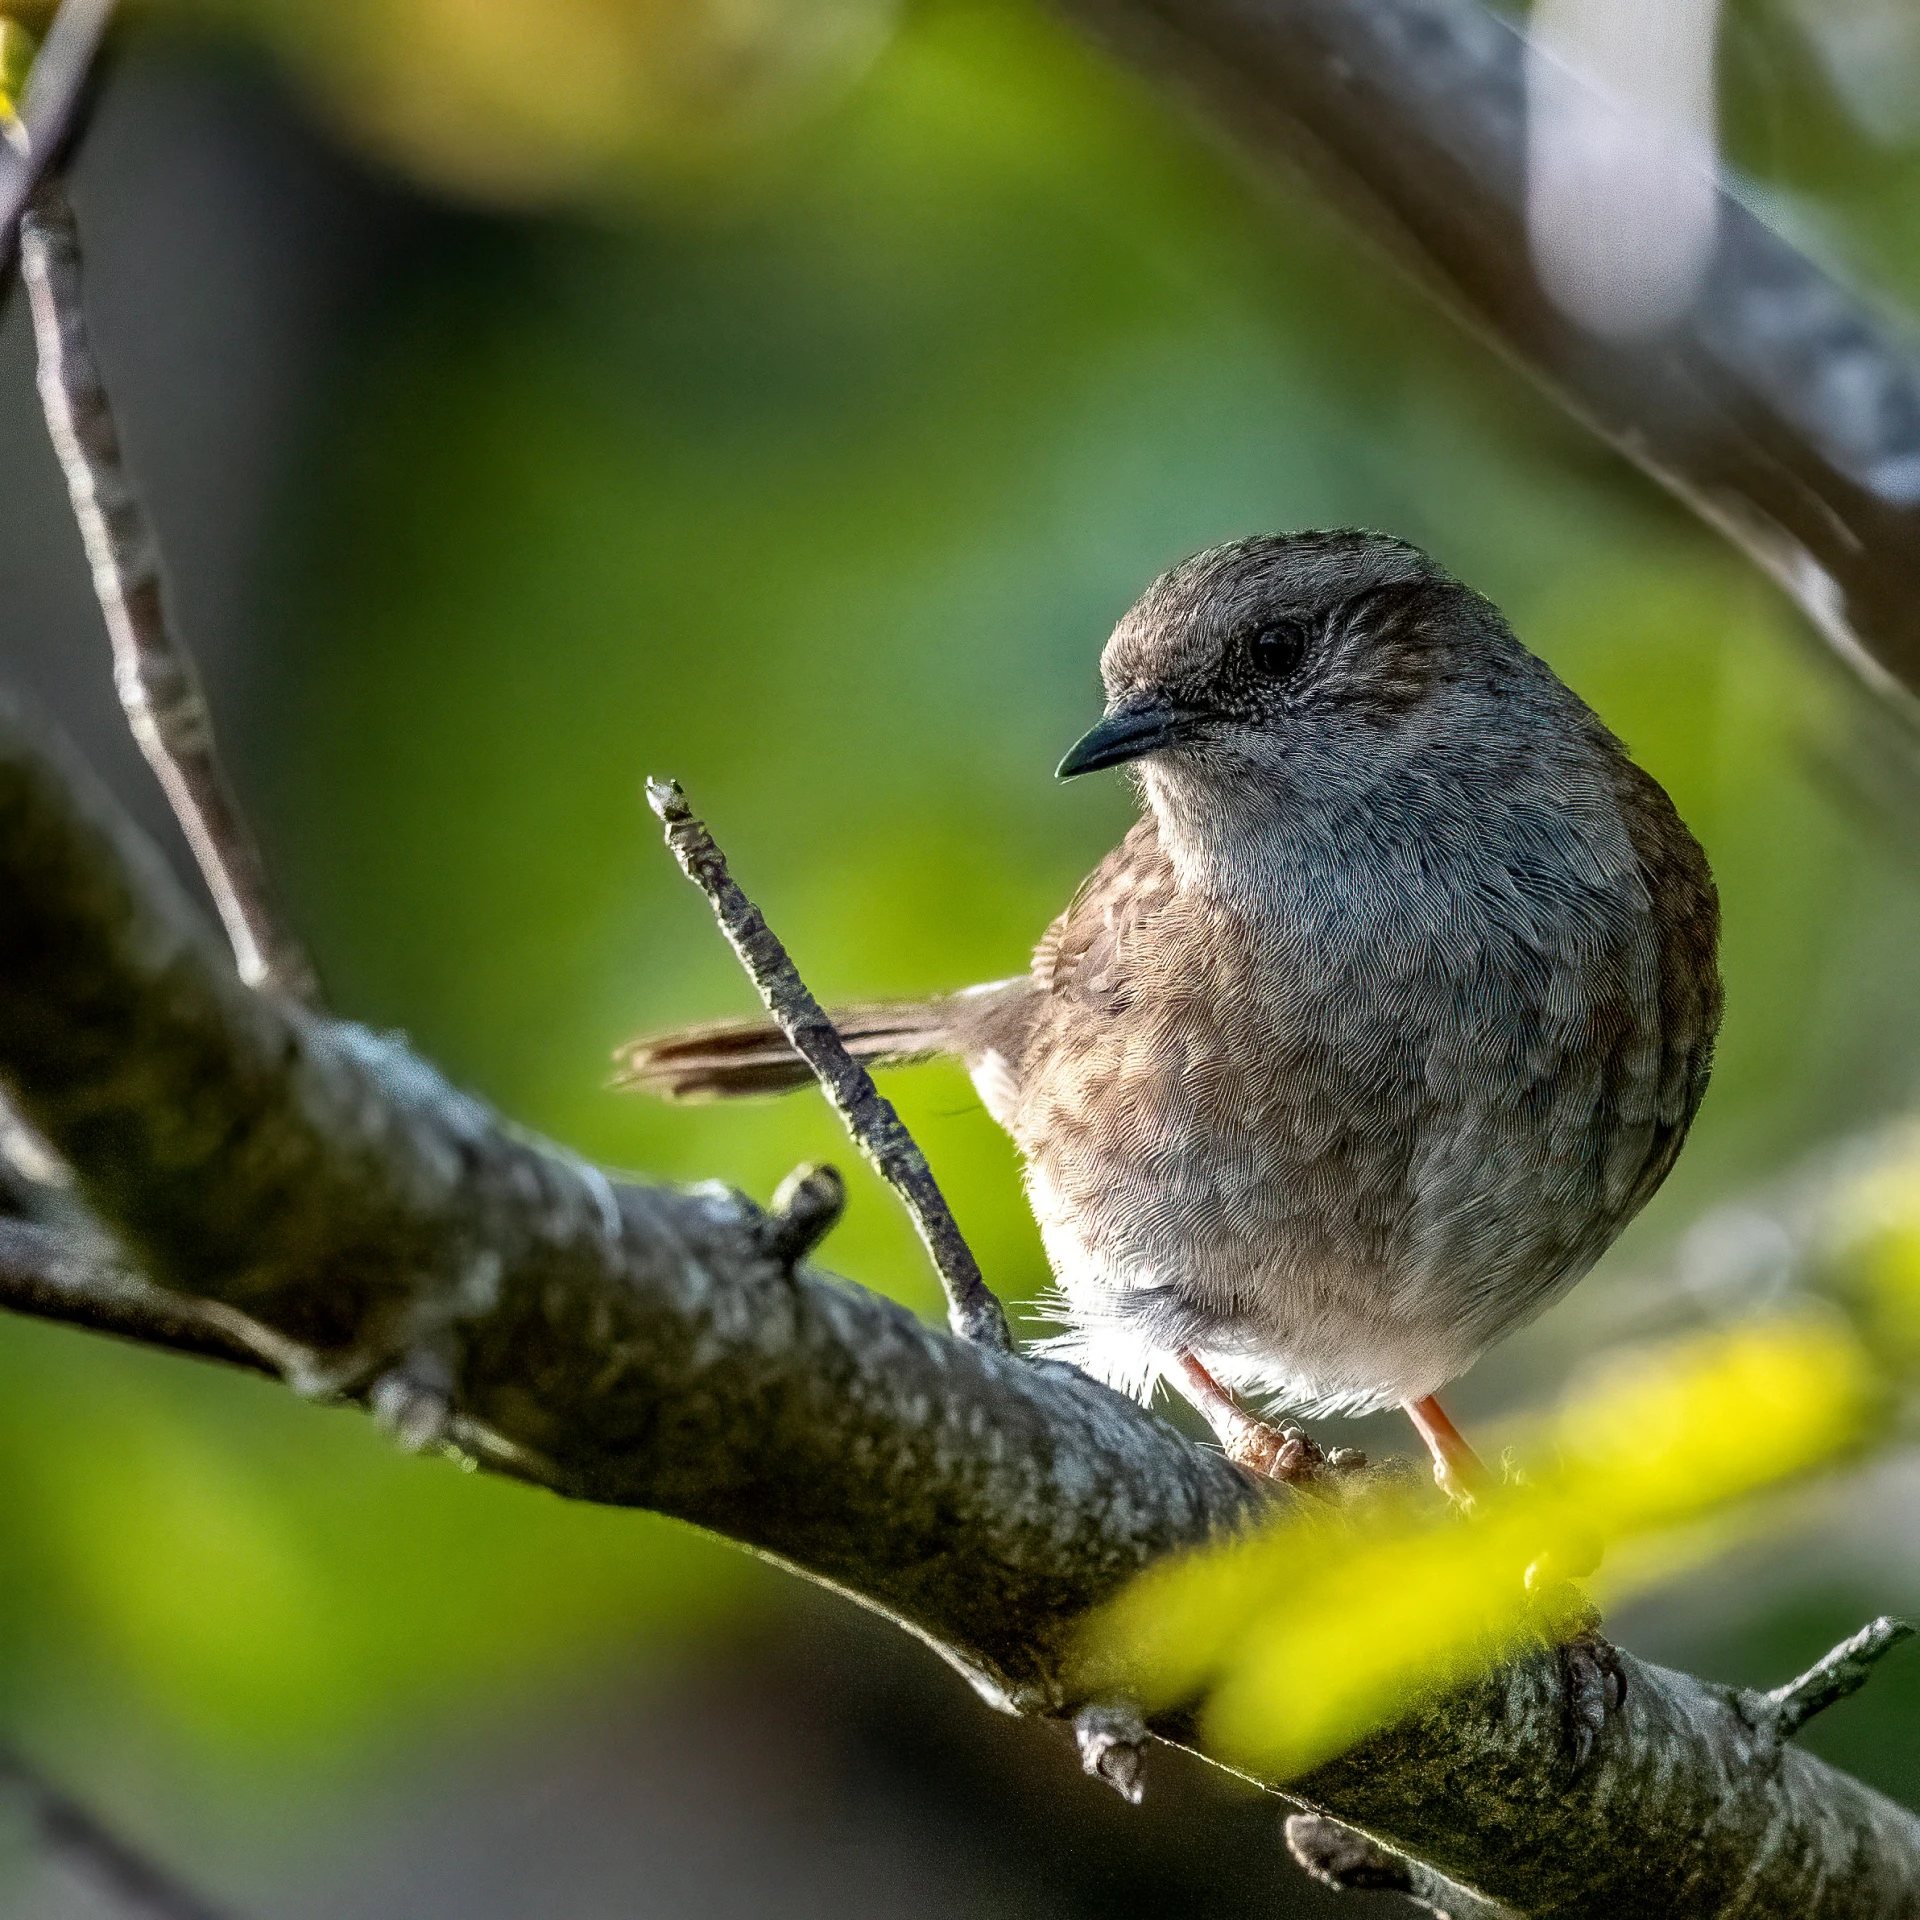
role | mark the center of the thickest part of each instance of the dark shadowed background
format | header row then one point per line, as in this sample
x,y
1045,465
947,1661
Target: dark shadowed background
x,y
801,440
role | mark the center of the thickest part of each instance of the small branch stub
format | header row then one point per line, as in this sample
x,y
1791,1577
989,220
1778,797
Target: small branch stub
x,y
868,1115
1345,1859
1338,1856
1112,1739
807,1206
1830,1679
414,1401
1596,1686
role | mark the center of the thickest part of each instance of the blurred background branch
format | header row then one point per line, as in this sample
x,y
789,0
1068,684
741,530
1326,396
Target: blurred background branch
x,y
1773,399
129,1882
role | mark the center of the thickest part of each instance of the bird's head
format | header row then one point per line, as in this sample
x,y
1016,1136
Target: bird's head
x,y
1301,665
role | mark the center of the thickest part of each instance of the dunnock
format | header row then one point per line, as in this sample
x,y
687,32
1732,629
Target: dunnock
x,y
1389,1013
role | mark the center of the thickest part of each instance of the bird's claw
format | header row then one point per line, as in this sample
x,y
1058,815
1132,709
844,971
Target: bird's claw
x,y
1595,1685
1277,1453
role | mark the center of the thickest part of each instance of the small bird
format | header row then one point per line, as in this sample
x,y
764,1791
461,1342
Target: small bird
x,y
1385,1018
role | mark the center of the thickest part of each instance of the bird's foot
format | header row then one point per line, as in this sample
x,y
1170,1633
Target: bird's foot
x,y
1275,1453
1594,1684
1458,1471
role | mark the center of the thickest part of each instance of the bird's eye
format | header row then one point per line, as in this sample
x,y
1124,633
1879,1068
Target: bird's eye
x,y
1277,649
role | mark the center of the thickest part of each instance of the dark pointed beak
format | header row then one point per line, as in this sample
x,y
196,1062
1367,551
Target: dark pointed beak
x,y
1142,725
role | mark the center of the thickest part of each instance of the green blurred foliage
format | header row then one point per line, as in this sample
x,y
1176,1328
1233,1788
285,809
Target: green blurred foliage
x,y
505,102
817,483
212,1562
1822,117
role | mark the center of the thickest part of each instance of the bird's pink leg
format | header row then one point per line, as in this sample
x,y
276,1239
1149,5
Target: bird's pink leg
x,y
1456,1466
1280,1454
1223,1413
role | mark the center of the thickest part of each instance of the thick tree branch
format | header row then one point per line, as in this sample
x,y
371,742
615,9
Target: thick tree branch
x,y
1782,407
643,1347
867,1113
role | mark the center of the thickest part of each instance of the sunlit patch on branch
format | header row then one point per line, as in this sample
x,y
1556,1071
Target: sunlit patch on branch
x,y
1621,157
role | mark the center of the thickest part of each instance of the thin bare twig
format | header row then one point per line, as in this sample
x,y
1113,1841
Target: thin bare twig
x,y
1843,1671
75,1837
877,1129
152,667
55,88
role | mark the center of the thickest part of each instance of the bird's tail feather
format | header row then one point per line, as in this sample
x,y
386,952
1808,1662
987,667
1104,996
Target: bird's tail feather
x,y
731,1057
